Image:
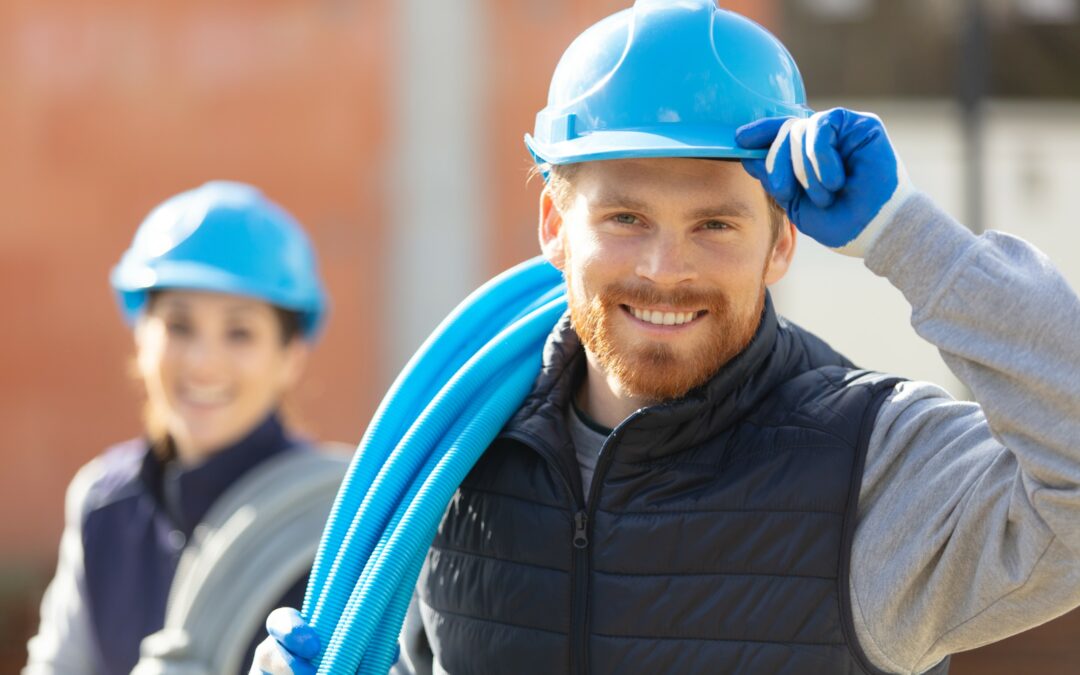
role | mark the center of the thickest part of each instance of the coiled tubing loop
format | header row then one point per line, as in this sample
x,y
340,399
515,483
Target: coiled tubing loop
x,y
444,409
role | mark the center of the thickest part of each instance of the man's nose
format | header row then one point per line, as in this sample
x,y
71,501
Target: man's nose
x,y
666,262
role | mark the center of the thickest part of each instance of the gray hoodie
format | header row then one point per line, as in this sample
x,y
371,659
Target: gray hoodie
x,y
969,513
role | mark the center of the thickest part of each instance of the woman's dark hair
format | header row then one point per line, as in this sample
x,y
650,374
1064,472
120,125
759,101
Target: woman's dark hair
x,y
290,324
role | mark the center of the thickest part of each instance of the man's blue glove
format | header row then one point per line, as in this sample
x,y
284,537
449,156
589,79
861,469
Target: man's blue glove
x,y
291,647
835,174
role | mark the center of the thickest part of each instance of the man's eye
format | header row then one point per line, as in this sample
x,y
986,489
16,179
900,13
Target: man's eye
x,y
716,225
239,335
625,219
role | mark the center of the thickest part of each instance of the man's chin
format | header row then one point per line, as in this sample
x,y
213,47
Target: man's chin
x,y
656,375
655,370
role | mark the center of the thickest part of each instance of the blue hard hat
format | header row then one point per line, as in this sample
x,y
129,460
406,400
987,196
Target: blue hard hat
x,y
228,238
665,78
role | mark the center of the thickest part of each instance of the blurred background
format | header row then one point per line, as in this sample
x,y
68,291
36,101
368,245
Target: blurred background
x,y
392,129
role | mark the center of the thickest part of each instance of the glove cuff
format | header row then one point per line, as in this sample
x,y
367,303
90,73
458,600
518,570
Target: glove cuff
x,y
858,246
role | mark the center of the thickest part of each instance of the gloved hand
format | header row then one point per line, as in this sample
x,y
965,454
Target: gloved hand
x,y
835,173
290,648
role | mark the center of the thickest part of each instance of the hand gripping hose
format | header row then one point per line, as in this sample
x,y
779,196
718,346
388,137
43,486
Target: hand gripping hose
x,y
443,410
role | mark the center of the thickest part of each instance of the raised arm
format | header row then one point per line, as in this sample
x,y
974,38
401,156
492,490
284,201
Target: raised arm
x,y
969,513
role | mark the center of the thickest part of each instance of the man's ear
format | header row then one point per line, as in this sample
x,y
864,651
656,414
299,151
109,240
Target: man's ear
x,y
782,253
551,222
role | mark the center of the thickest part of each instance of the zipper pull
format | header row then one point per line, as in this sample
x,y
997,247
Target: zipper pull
x,y
581,520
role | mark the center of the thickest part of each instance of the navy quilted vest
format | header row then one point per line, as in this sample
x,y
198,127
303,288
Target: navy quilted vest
x,y
716,538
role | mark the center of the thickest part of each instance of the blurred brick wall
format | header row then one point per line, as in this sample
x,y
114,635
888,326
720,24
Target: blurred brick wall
x,y
106,112
106,109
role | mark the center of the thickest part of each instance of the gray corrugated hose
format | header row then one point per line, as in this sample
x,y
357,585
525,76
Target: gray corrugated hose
x,y
256,541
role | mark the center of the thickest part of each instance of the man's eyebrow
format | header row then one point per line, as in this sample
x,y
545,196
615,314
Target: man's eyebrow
x,y
727,209
617,200
734,208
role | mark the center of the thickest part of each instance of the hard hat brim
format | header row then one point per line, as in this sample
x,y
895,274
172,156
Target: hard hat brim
x,y
132,283
707,142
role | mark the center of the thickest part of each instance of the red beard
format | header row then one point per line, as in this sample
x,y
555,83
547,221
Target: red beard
x,y
657,371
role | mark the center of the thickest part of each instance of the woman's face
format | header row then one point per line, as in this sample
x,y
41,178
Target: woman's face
x,y
214,366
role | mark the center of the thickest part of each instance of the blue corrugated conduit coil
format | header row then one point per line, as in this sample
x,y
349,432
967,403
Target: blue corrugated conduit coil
x,y
443,410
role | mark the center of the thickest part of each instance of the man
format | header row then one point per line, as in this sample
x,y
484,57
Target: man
x,y
696,485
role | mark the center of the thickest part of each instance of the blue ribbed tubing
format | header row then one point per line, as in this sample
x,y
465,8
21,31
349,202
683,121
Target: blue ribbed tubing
x,y
467,328
440,414
405,549
460,335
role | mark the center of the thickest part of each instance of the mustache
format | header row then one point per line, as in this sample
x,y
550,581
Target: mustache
x,y
644,295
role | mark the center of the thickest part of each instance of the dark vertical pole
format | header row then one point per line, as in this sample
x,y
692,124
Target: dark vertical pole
x,y
973,80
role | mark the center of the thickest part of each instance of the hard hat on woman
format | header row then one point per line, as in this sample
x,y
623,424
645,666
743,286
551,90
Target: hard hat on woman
x,y
224,237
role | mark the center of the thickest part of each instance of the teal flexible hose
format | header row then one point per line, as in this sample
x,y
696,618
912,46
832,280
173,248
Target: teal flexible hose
x,y
382,652
518,344
441,413
471,325
456,338
500,355
389,488
397,472
410,540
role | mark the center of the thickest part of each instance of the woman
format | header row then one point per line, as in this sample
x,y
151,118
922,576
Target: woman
x,y
223,293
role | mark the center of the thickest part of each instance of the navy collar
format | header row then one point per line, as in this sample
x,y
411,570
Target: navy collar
x,y
187,492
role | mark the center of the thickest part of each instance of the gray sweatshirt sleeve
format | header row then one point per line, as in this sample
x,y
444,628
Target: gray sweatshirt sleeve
x,y
969,516
65,643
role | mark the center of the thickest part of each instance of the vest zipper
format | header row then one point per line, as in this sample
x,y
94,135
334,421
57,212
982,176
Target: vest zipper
x,y
578,576
581,537
579,640
579,581
580,594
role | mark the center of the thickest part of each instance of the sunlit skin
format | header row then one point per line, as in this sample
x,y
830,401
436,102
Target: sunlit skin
x,y
663,229
214,366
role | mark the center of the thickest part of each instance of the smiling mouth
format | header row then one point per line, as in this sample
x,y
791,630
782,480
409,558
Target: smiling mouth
x,y
205,396
659,318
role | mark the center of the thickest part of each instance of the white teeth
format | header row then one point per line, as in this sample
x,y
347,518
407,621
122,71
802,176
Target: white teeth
x,y
663,318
